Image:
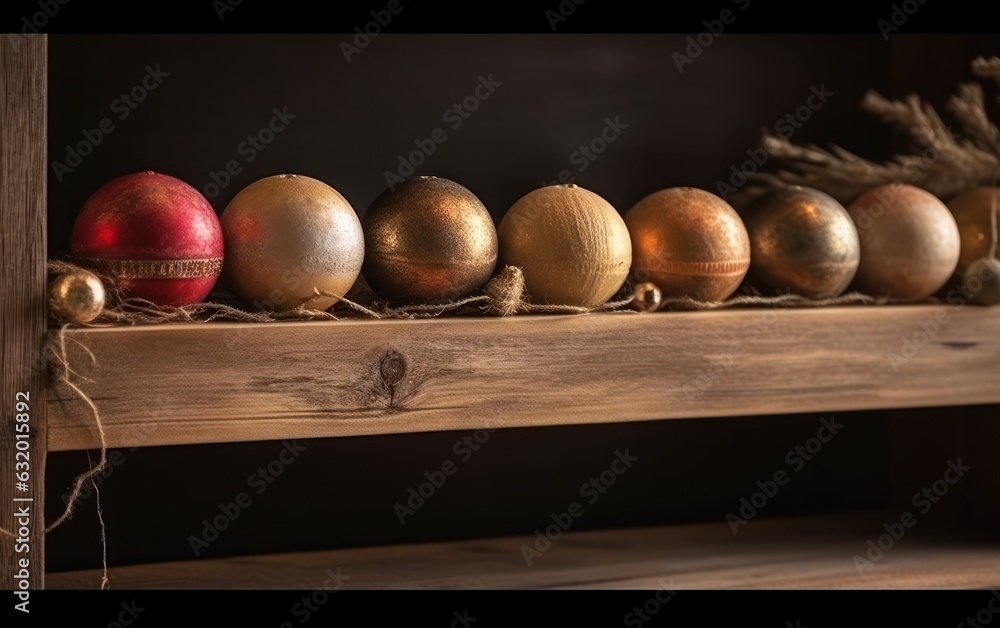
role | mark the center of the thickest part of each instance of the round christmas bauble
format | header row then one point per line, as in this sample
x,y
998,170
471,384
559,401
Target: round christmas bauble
x,y
428,240
972,211
688,242
571,245
801,241
981,281
76,297
287,237
909,242
155,236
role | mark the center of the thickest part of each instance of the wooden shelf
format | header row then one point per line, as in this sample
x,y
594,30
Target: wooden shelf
x,y
199,383
803,552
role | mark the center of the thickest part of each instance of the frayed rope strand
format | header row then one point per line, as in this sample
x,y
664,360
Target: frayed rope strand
x,y
64,376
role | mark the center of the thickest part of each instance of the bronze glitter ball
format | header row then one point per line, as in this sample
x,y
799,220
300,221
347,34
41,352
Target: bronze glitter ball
x,y
288,236
571,244
981,281
688,242
801,241
972,214
909,242
428,240
76,297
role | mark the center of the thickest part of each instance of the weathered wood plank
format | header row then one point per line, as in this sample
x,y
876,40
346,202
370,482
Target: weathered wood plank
x,y
805,552
23,80
234,382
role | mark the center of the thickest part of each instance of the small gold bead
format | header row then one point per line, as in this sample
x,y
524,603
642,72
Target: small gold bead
x,y
647,297
76,297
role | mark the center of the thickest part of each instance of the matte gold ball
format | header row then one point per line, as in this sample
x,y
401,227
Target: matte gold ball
x,y
801,241
288,236
76,297
981,281
689,242
428,240
646,297
571,244
972,212
909,242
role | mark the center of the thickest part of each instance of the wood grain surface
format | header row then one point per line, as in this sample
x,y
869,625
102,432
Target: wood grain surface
x,y
197,383
23,67
805,552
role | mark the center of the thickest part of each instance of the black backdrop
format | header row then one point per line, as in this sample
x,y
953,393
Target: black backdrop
x,y
352,121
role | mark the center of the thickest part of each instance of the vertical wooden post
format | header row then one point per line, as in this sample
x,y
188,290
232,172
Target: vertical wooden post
x,y
23,107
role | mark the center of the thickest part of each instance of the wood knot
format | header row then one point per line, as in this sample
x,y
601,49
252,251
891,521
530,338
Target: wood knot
x,y
392,368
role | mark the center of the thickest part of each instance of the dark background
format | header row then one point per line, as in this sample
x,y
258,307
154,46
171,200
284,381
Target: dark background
x,y
352,122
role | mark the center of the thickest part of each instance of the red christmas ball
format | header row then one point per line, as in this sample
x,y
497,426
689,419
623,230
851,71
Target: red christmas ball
x,y
157,238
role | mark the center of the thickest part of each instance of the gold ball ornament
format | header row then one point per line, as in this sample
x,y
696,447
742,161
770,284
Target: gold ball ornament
x,y
572,245
288,236
428,240
76,297
689,242
981,281
909,242
801,241
972,211
646,297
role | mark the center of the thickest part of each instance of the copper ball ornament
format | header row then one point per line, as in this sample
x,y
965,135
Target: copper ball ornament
x,y
156,237
287,237
428,240
688,242
802,241
909,242
571,245
76,297
972,211
981,281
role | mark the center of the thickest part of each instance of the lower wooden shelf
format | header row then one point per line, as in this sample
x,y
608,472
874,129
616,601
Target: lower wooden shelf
x,y
802,552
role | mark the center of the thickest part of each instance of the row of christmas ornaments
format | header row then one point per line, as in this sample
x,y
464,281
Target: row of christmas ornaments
x,y
430,240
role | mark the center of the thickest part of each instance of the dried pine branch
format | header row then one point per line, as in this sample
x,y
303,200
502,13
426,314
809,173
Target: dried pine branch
x,y
969,109
987,68
939,161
